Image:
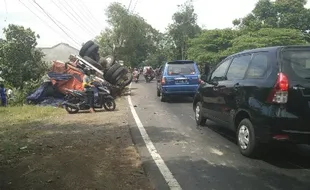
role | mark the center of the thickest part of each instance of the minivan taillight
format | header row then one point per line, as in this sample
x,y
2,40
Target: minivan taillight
x,y
279,93
163,81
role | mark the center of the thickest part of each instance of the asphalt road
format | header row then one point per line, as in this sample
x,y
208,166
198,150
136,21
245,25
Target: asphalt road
x,y
207,157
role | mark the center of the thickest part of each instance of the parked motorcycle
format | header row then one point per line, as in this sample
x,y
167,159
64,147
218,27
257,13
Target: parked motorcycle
x,y
76,100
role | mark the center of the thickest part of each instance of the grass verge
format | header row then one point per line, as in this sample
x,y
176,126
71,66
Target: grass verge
x,y
46,148
17,125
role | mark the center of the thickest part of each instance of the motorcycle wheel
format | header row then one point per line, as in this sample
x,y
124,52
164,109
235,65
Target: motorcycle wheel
x,y
109,104
71,110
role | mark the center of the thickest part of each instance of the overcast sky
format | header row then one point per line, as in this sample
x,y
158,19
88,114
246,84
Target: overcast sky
x,y
211,14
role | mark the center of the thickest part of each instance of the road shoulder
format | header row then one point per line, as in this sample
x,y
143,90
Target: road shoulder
x,y
80,151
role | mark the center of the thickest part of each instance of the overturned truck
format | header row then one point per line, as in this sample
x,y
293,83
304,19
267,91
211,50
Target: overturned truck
x,y
69,75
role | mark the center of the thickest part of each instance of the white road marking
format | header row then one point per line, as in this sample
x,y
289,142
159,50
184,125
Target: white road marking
x,y
164,170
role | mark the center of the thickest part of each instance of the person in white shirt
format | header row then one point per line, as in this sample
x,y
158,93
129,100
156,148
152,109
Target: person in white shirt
x,y
9,93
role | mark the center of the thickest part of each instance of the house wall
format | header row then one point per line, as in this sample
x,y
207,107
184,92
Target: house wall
x,y
60,52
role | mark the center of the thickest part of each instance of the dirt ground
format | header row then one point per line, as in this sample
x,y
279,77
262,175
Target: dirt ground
x,y
62,151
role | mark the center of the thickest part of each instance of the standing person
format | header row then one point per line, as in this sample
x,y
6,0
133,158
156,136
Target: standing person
x,y
3,95
87,80
9,93
9,96
92,77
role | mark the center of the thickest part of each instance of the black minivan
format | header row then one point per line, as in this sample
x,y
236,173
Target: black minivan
x,y
261,94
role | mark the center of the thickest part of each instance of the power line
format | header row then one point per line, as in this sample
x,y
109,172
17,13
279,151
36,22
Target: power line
x,y
6,10
46,13
134,6
129,5
82,2
90,15
39,17
80,16
75,20
63,26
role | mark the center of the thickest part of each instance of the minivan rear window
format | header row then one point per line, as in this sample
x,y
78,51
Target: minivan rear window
x,y
181,69
298,60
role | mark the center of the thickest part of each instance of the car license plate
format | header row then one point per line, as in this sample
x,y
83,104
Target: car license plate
x,y
181,81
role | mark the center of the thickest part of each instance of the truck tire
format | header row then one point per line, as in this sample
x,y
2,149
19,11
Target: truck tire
x,y
125,82
109,73
118,74
92,50
85,47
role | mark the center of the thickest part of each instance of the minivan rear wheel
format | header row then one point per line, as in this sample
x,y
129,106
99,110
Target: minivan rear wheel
x,y
246,139
158,93
199,118
163,97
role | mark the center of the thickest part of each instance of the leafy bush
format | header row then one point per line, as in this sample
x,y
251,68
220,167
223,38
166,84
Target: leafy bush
x,y
20,95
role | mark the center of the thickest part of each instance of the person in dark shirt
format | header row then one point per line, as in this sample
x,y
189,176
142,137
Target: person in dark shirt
x,y
87,84
3,95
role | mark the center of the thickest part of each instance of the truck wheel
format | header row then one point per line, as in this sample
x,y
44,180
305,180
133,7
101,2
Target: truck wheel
x,y
87,45
109,73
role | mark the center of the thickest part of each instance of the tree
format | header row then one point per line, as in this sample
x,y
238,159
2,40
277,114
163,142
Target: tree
x,y
209,45
133,38
20,61
277,14
213,45
183,28
106,40
265,37
164,51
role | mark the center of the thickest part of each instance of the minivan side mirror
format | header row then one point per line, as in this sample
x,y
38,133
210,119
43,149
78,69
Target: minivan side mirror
x,y
204,77
206,69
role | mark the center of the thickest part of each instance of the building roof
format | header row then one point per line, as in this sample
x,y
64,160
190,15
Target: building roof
x,y
65,44
59,51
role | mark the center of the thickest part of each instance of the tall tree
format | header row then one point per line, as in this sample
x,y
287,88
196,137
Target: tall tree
x,y
20,61
213,45
277,14
209,45
265,37
183,28
131,36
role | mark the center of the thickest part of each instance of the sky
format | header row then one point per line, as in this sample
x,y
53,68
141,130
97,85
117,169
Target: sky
x,y
87,18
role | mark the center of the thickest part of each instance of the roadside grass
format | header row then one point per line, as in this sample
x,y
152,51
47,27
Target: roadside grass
x,y
16,126
47,148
